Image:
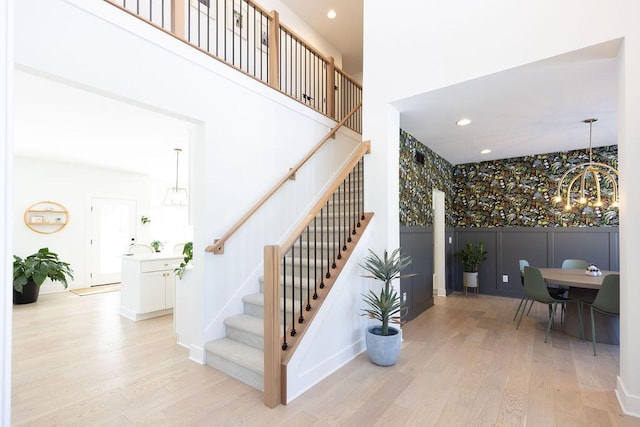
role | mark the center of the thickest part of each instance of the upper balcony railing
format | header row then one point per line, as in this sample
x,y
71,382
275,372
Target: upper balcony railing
x,y
245,36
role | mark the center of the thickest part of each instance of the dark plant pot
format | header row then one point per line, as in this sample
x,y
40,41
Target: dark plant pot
x,y
29,294
383,350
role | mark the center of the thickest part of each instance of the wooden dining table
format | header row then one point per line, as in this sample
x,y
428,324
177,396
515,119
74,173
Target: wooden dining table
x,y
585,288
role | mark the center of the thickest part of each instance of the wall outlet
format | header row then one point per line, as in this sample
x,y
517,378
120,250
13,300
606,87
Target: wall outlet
x,y
404,297
505,278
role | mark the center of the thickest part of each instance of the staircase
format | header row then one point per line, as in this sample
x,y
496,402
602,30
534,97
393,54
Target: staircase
x,y
240,354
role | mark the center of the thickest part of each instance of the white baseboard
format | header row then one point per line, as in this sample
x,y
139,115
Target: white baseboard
x,y
198,354
629,403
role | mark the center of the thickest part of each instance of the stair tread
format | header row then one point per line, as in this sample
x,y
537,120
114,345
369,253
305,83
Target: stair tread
x,y
239,353
246,323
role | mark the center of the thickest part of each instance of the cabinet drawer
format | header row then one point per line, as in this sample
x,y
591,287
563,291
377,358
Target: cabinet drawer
x,y
157,265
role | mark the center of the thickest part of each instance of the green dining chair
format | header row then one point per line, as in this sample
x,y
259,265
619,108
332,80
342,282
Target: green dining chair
x,y
607,302
525,299
536,289
575,263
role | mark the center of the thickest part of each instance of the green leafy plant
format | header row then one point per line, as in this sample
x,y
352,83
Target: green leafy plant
x,y
188,256
145,219
157,245
38,267
385,306
471,256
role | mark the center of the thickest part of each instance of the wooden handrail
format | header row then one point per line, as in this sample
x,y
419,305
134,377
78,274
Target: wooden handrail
x,y
218,246
364,148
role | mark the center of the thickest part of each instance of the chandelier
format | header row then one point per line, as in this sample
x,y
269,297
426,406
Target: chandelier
x,y
176,196
577,178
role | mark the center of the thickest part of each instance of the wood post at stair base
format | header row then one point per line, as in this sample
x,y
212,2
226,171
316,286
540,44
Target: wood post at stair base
x,y
272,346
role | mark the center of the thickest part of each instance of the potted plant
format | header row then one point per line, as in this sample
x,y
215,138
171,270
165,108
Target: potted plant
x,y
471,256
29,274
157,245
383,341
187,251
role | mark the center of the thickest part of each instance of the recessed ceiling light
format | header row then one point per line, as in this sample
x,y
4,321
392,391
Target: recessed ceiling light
x,y
331,14
463,122
485,151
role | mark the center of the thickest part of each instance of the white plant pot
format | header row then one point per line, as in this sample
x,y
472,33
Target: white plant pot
x,y
470,280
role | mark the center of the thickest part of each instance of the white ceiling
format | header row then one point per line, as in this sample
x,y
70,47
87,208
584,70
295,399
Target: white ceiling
x,y
533,109
56,121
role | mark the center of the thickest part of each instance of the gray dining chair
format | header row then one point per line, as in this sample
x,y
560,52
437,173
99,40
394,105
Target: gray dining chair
x,y
536,289
607,302
575,263
525,299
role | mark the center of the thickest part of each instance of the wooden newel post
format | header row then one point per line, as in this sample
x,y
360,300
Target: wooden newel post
x,y
272,346
178,13
331,88
274,51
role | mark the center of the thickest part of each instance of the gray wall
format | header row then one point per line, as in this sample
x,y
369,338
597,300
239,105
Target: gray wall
x,y
417,292
542,247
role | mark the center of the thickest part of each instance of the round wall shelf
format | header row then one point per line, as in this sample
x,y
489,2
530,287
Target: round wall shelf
x,y
46,217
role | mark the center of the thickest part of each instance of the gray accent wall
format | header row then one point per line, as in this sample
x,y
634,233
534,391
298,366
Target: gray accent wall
x,y
416,292
542,247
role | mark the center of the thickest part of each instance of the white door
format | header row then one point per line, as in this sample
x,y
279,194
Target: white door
x,y
113,229
438,244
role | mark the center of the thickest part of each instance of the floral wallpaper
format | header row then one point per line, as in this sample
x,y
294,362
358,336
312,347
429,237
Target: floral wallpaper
x,y
516,192
417,181
519,192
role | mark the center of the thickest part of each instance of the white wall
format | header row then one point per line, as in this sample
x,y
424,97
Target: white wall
x,y
248,135
336,335
72,186
440,44
6,154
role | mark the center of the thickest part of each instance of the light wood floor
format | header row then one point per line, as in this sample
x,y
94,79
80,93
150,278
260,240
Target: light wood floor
x,y
76,362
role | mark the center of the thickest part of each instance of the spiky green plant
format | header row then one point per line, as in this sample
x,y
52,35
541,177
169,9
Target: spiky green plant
x,y
37,267
386,306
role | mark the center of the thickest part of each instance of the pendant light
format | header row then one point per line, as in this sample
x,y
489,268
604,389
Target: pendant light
x,y
576,185
176,196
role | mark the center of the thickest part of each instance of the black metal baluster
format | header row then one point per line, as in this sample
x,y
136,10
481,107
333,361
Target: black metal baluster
x,y
358,194
300,317
217,28
362,178
209,27
224,31
308,273
334,223
293,290
328,275
315,257
322,247
333,226
344,215
284,298
352,223
162,18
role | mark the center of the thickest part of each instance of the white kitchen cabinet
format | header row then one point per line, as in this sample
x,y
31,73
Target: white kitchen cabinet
x,y
148,285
